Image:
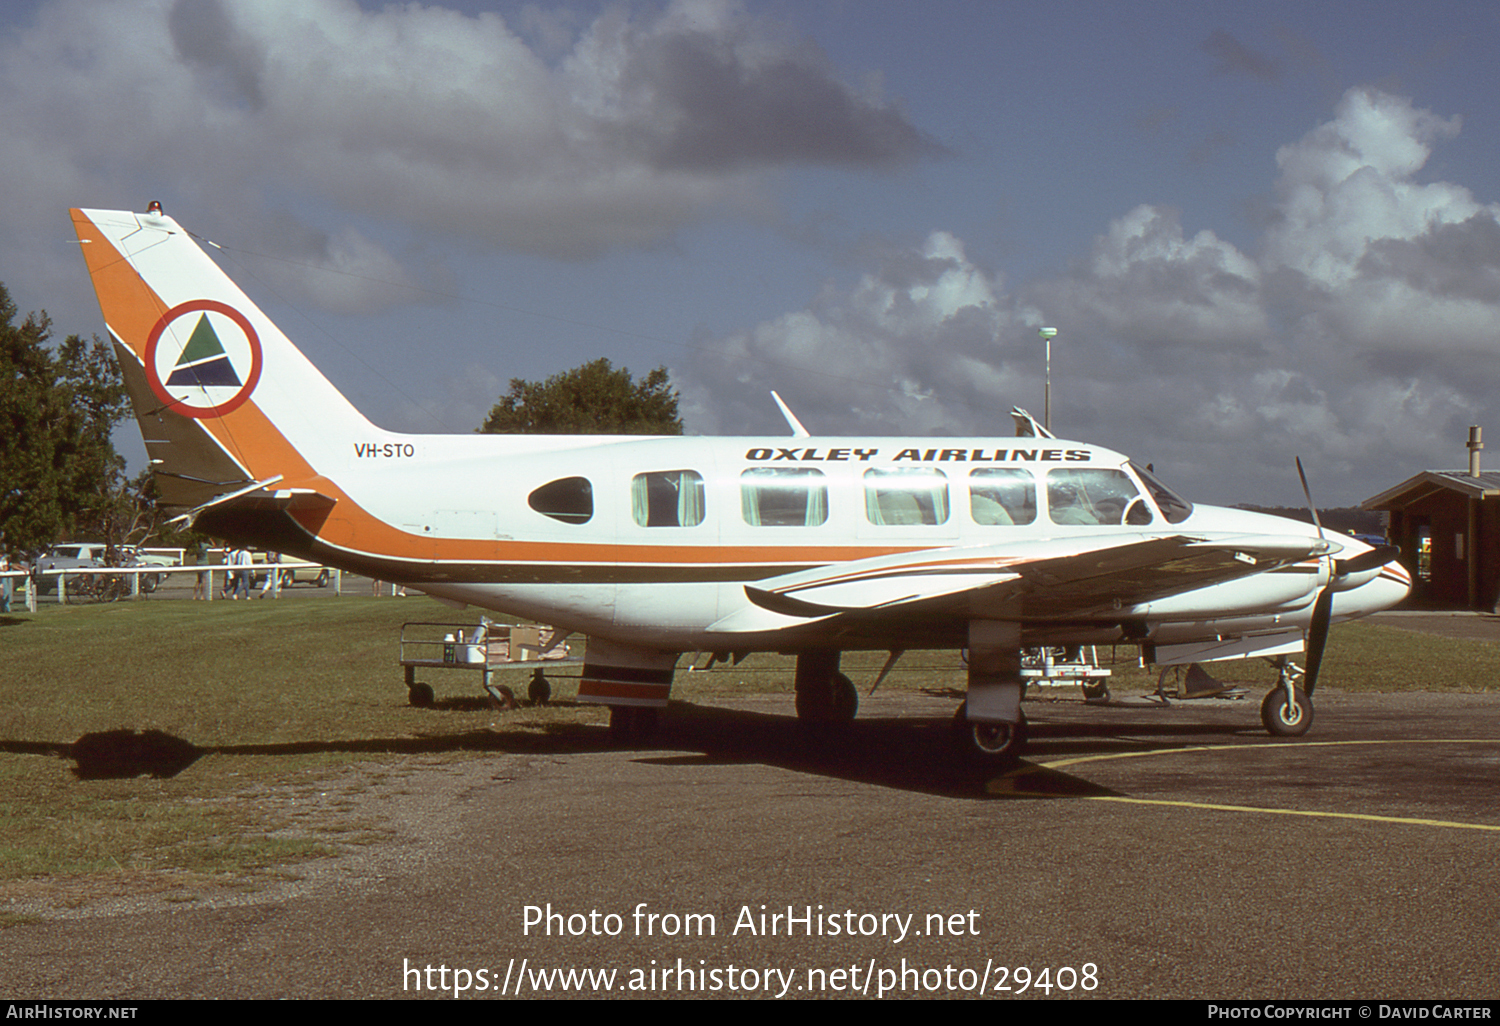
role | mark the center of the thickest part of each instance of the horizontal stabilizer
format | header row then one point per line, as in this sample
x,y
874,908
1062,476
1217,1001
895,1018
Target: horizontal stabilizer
x,y
303,503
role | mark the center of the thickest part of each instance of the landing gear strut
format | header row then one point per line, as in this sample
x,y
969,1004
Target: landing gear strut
x,y
993,725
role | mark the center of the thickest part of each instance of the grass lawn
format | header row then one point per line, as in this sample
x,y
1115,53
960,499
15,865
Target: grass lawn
x,y
276,696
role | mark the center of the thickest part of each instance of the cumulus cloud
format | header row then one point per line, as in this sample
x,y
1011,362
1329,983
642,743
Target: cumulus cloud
x,y
547,137
1363,327
1351,182
921,342
1151,287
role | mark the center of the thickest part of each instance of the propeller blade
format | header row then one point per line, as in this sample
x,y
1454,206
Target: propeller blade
x,y
1308,492
1317,638
1380,555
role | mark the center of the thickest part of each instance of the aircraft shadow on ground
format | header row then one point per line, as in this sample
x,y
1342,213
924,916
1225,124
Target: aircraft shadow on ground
x,y
922,754
911,753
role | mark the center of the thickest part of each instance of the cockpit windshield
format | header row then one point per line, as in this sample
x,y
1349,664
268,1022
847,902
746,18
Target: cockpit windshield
x,y
1173,506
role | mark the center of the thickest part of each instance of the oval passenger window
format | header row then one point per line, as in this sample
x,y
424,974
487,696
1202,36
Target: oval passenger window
x,y
569,499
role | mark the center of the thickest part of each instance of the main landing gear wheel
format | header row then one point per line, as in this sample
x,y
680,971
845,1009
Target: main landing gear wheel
x,y
1283,718
629,723
833,701
992,743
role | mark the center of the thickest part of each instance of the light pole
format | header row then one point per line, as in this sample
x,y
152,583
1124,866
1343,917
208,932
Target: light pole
x,y
1048,334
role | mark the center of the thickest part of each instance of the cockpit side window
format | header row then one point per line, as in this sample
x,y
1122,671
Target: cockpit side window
x,y
568,499
783,497
1096,497
667,498
1002,496
1173,506
906,495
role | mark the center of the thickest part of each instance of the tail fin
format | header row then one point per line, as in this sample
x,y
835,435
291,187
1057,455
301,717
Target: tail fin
x,y
225,401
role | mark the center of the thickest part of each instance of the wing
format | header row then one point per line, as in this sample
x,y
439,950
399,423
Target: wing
x,y
1059,578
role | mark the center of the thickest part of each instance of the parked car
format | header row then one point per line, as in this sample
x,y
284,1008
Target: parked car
x,y
303,573
74,555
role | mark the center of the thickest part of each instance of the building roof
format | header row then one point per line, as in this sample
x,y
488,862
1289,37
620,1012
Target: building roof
x,y
1430,482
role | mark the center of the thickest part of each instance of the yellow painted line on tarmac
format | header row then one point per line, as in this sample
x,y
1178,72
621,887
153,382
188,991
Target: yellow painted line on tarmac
x,y
1006,783
1058,764
1297,812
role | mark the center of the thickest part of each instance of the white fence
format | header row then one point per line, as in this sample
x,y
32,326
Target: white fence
x,y
129,578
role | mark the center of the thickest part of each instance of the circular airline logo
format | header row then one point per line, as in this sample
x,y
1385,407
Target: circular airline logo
x,y
203,358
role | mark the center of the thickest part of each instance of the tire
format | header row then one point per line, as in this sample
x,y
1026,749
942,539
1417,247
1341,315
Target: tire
x,y
629,724
322,578
1281,720
832,702
420,696
992,743
845,704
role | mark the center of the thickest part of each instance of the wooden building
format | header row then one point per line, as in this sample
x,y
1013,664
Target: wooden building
x,y
1447,525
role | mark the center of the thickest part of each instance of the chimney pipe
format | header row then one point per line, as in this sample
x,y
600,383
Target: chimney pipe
x,y
1475,445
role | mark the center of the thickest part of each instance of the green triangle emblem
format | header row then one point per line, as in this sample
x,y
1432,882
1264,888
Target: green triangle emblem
x,y
203,344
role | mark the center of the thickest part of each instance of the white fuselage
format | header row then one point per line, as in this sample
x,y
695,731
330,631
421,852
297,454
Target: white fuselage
x,y
626,555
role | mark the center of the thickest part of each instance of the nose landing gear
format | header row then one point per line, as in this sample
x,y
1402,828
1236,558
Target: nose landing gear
x,y
1287,710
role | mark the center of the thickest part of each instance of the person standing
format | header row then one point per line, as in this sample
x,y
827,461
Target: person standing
x,y
273,567
242,573
197,556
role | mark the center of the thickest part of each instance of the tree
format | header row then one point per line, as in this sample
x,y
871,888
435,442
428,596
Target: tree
x,y
58,405
594,399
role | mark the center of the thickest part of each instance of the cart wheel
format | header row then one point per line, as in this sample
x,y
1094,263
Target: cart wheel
x,y
503,697
420,696
1097,694
322,578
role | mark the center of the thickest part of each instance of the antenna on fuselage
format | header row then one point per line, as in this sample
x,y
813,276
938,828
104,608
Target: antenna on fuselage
x,y
798,431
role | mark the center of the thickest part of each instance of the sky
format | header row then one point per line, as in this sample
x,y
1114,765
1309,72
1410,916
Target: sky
x,y
1262,230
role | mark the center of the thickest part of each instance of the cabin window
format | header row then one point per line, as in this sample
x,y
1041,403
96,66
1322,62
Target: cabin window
x,y
1002,496
569,499
667,498
906,496
783,497
1095,497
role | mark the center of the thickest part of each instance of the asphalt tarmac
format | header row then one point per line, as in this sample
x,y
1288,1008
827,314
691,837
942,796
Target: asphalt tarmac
x,y
1137,852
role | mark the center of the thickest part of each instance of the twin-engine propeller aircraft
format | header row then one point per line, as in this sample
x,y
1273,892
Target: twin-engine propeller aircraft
x,y
651,547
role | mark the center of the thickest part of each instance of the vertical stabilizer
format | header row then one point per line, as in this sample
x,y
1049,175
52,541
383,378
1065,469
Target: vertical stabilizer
x,y
223,397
